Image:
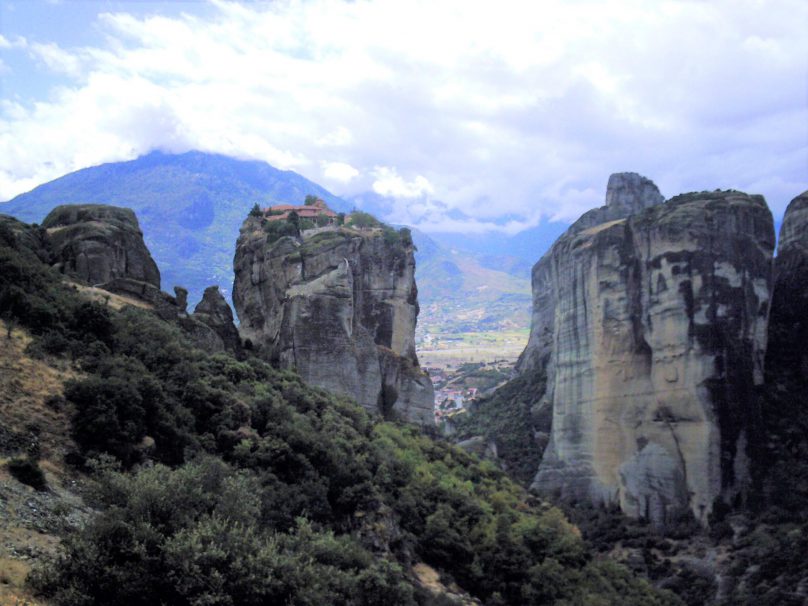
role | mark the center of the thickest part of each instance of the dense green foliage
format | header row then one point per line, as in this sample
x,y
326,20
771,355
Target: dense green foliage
x,y
510,417
241,485
277,229
194,536
361,219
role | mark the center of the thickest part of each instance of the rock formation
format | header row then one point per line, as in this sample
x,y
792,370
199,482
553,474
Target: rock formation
x,y
340,306
787,356
781,458
103,246
99,244
650,323
214,312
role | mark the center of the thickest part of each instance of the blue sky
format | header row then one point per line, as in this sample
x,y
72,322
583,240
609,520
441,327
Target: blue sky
x,y
511,113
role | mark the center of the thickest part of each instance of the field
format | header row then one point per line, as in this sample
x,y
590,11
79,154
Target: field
x,y
450,350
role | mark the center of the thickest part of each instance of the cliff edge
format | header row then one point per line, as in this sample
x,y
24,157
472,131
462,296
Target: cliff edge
x,y
339,304
650,322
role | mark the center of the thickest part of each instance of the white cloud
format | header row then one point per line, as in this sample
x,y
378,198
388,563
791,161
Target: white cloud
x,y
507,109
339,137
339,171
56,59
389,183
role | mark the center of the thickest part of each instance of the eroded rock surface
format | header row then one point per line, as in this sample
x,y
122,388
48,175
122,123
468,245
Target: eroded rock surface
x,y
214,312
103,246
98,244
651,327
339,306
787,356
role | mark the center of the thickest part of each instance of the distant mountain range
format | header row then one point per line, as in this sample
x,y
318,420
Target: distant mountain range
x,y
490,248
190,207
461,291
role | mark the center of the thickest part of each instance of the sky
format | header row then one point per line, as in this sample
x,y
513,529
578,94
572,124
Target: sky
x,y
468,116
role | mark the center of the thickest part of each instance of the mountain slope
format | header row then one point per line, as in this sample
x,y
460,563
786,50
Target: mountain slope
x,y
190,206
461,292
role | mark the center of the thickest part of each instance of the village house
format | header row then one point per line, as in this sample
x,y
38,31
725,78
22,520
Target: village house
x,y
317,209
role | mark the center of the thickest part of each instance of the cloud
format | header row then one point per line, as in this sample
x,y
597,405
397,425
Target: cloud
x,y
516,110
339,171
56,59
389,183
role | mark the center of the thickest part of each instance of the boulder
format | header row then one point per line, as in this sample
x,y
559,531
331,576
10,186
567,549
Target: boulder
x,y
97,244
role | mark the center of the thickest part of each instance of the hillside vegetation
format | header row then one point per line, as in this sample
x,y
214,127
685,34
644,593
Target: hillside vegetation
x,y
225,481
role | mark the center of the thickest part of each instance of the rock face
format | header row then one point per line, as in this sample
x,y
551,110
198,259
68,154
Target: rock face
x,y
787,356
626,194
340,306
103,246
650,322
98,244
214,312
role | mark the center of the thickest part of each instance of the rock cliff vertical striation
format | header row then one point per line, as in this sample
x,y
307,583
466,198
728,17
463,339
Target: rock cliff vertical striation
x,y
340,306
650,322
787,356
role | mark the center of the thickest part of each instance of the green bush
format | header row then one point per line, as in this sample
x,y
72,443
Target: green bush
x,y
362,219
275,230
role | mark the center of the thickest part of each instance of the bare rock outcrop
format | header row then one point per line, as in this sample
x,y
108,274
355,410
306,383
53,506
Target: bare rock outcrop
x,y
214,312
98,244
787,356
340,306
103,246
650,323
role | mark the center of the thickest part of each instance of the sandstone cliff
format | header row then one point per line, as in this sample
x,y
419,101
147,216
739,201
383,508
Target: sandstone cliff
x,y
340,306
781,460
650,323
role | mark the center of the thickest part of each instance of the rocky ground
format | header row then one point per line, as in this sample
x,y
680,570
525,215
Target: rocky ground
x,y
32,521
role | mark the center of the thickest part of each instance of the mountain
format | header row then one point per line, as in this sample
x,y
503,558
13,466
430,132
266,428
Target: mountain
x,y
338,304
643,389
461,291
190,206
490,248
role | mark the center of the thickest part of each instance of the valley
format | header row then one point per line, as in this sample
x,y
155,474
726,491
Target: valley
x,y
531,383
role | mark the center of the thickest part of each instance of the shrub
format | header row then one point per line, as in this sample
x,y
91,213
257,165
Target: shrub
x,y
363,220
27,471
275,230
